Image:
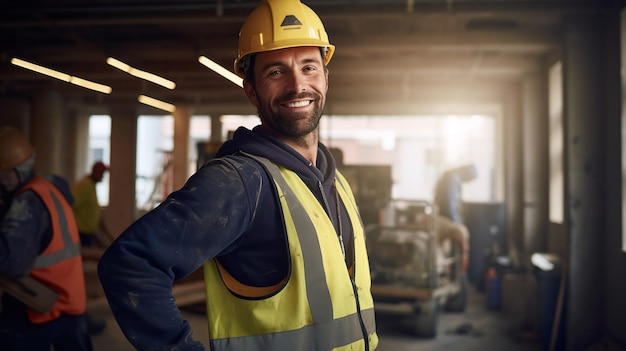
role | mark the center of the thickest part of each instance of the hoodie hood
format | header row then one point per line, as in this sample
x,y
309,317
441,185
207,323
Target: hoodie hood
x,y
261,143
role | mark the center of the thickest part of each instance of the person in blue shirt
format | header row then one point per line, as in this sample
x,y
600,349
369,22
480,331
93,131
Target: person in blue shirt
x,y
448,191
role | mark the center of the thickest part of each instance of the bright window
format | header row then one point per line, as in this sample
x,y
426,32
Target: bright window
x,y
418,149
556,144
100,150
155,144
155,140
230,123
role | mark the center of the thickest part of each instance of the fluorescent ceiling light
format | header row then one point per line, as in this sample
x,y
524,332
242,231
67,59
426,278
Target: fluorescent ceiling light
x,y
141,74
40,69
162,105
221,71
91,85
62,76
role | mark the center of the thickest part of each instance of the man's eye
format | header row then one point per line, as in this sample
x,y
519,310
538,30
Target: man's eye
x,y
274,73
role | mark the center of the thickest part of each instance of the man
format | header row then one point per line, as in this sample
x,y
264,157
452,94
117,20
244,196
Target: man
x,y
448,191
451,224
39,239
272,222
87,209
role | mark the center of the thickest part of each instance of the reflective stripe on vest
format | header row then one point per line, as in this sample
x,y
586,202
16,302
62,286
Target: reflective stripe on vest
x,y
69,250
311,337
345,330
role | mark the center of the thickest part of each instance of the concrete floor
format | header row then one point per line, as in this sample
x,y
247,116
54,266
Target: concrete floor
x,y
478,328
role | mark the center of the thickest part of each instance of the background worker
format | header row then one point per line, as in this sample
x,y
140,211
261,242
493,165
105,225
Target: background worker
x,y
39,239
270,219
448,191
451,223
93,231
449,202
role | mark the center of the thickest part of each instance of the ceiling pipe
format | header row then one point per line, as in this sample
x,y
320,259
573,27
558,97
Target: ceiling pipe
x,y
14,17
219,9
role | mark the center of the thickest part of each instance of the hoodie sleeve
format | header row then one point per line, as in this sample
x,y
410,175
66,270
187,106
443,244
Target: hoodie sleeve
x,y
194,224
24,232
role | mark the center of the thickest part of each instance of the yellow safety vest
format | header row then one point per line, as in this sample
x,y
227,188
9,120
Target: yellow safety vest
x,y
86,207
316,307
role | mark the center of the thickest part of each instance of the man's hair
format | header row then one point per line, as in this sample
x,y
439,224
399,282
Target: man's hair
x,y
249,67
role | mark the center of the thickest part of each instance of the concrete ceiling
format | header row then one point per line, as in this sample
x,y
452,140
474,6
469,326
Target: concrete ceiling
x,y
390,55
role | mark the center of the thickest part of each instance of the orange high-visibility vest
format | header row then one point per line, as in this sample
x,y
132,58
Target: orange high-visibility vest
x,y
60,265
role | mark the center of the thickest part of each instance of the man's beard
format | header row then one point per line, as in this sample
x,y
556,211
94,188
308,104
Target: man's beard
x,y
294,125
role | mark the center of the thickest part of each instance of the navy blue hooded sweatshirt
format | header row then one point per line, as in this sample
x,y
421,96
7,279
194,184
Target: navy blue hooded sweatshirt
x,y
229,210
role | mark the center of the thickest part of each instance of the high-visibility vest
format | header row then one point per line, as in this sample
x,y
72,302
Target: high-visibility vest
x,y
59,266
321,305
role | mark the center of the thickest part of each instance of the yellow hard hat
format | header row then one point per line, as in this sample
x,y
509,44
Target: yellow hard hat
x,y
280,24
15,149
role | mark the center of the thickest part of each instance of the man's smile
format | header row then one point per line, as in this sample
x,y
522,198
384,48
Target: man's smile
x,y
295,104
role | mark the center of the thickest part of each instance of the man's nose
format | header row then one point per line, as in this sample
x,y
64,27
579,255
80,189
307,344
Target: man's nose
x,y
297,81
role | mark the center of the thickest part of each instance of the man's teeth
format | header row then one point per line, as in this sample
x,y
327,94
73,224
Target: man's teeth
x,y
299,103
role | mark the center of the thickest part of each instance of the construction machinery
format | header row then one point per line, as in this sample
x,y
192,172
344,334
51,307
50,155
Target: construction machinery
x,y
417,262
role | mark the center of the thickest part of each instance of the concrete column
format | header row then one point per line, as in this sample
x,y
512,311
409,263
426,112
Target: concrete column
x,y
616,169
121,211
513,171
48,132
584,121
182,117
78,143
536,164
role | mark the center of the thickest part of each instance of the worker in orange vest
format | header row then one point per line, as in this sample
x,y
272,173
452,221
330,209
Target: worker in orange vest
x,y
39,242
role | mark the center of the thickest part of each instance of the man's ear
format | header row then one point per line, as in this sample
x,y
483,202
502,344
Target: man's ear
x,y
250,92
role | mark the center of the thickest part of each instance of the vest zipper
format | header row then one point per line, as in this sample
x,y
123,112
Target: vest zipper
x,y
366,339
